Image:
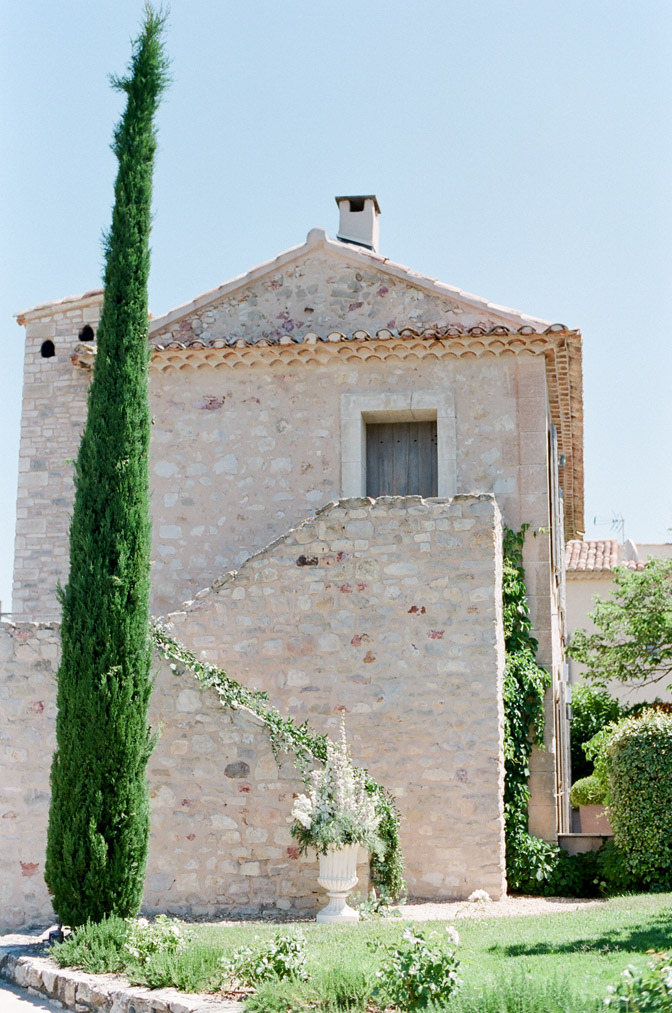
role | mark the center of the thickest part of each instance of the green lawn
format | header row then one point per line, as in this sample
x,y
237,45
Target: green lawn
x,y
565,960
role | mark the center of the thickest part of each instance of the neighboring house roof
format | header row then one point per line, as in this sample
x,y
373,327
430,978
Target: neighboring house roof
x,y
592,557
596,557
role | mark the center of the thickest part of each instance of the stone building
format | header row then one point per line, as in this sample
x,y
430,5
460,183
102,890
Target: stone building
x,y
337,442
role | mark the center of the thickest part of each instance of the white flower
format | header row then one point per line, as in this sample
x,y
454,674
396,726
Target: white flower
x,y
453,935
302,811
338,790
479,895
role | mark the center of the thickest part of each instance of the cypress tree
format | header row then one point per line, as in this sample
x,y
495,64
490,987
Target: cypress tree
x,y
99,817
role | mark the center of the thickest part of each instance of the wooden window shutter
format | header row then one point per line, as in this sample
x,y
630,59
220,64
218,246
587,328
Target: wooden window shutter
x,y
401,459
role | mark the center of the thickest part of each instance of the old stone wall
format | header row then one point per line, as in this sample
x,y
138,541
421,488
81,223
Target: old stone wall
x,y
241,453
220,803
390,611
239,456
321,289
52,419
28,659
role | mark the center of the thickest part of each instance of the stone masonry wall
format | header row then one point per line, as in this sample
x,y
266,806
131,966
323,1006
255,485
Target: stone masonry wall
x,y
240,455
389,611
28,660
52,419
322,290
220,804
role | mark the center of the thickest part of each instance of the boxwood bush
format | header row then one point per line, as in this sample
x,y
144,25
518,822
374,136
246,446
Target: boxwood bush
x,y
638,755
586,791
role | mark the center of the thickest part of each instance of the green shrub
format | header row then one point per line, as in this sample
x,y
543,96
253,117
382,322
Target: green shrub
x,y
644,991
612,875
345,988
587,791
144,939
638,757
331,989
284,997
519,993
419,971
544,869
592,709
638,709
96,947
595,750
196,968
283,956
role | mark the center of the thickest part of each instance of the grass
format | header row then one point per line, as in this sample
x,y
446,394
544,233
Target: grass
x,y
552,963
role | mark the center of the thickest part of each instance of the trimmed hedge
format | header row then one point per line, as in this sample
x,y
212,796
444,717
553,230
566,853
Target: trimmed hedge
x,y
638,756
586,791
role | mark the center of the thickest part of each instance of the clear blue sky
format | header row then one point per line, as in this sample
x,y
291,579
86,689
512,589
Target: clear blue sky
x,y
519,150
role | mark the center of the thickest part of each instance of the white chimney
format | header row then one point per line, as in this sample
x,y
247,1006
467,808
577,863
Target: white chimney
x,y
358,221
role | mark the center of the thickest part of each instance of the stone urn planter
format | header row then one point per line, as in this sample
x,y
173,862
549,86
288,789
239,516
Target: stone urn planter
x,y
338,875
594,820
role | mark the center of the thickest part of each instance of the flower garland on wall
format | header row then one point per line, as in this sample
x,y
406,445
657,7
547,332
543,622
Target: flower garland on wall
x,y
305,746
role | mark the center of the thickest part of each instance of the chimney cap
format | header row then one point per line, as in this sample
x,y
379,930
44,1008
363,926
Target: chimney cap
x,y
360,197
359,220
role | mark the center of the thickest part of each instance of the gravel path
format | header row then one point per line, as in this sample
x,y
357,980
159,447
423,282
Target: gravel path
x,y
506,908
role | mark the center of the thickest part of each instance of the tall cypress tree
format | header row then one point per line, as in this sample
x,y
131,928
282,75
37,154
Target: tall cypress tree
x,y
99,817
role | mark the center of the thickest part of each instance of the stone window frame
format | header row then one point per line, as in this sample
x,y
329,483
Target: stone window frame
x,y
406,406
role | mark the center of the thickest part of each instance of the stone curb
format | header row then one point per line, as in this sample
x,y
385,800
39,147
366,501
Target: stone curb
x,y
103,993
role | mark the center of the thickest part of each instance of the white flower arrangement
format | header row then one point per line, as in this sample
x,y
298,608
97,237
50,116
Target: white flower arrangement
x,y
338,809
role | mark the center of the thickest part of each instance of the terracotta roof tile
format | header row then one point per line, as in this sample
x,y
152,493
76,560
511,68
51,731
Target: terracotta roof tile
x,y
594,556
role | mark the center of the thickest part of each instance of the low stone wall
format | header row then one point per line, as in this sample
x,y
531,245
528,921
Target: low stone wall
x,y
101,993
388,610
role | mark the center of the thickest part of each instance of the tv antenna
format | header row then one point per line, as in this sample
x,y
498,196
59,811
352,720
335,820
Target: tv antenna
x,y
616,523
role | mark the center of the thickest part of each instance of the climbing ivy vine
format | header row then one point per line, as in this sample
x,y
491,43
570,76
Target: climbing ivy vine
x,y
525,683
532,865
305,746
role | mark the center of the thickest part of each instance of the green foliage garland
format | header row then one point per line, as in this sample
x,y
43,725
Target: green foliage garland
x,y
99,816
300,741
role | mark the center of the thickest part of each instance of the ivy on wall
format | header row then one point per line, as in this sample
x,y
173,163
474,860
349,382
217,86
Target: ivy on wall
x,y
533,865
525,683
301,743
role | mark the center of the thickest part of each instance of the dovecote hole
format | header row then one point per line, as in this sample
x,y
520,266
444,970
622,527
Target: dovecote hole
x,y
47,351
86,333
